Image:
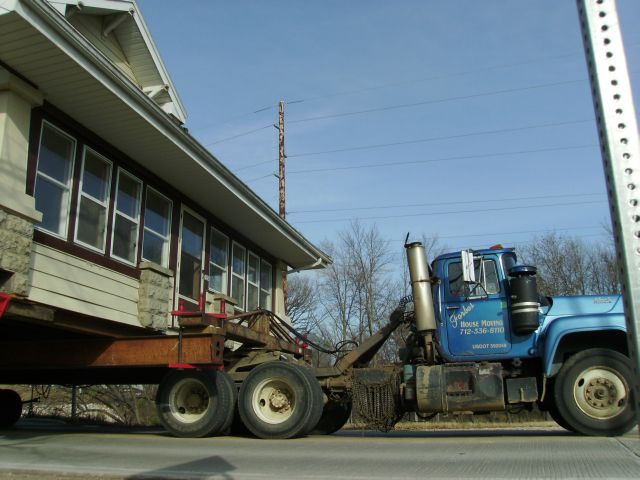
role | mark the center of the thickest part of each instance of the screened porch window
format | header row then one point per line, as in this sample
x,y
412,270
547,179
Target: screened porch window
x,y
191,257
253,282
157,225
126,218
53,179
238,274
93,204
266,279
219,259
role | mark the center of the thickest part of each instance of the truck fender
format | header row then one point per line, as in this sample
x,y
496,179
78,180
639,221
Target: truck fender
x,y
590,330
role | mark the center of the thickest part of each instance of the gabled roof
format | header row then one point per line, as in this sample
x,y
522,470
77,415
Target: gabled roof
x,y
118,30
38,43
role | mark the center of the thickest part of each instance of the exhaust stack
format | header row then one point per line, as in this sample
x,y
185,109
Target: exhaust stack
x,y
421,287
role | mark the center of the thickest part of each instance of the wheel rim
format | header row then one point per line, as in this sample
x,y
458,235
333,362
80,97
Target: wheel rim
x,y
273,401
601,393
189,400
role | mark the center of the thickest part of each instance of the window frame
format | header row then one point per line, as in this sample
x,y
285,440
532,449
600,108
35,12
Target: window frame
x,y
241,305
166,249
106,204
70,181
256,284
226,268
482,281
269,292
140,183
178,276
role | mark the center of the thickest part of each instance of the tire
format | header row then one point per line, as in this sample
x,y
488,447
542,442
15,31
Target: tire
x,y
10,408
551,408
196,403
280,400
593,393
334,416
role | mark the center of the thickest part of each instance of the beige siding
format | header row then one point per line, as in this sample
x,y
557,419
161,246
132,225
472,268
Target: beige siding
x,y
64,281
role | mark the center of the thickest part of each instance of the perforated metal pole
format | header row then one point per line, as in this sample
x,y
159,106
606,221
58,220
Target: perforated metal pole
x,y
618,131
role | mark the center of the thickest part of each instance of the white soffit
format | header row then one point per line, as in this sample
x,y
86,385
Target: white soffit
x,y
122,20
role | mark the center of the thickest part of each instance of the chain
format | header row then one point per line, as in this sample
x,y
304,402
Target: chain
x,y
377,404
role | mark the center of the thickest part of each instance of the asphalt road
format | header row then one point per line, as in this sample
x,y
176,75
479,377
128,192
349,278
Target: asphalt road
x,y
52,451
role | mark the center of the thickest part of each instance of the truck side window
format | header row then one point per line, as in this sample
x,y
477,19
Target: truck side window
x,y
487,277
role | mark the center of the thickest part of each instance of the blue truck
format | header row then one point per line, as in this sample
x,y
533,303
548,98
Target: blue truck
x,y
483,339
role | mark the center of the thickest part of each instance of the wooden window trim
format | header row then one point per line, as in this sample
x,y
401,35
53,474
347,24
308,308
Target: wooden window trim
x,y
107,204
165,261
70,181
136,220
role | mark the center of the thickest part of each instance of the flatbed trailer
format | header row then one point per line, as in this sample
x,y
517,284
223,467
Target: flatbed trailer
x,y
194,357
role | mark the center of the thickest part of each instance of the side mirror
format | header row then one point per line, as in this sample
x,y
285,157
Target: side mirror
x,y
468,270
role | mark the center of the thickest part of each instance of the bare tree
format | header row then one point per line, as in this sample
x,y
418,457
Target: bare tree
x,y
569,266
357,292
302,302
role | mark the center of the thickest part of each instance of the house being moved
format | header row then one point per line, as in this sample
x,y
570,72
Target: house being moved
x,y
111,214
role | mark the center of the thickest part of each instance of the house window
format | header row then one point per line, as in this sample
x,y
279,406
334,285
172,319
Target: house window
x,y
53,179
238,271
266,278
91,226
253,282
126,218
191,250
157,226
219,258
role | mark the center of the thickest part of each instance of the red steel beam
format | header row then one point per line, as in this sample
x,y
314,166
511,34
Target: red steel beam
x,y
160,351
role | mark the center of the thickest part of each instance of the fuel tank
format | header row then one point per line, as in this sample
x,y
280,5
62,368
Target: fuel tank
x,y
459,387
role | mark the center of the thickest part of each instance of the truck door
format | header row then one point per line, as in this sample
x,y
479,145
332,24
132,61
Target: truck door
x,y
476,315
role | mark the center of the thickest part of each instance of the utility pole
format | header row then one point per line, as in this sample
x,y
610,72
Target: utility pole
x,y
281,157
282,204
620,147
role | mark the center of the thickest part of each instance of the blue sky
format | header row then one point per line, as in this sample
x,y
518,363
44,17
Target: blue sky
x,y
470,120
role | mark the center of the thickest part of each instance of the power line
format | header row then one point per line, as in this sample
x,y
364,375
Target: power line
x,y
522,232
438,77
431,102
411,162
447,137
507,244
409,205
238,135
441,159
384,217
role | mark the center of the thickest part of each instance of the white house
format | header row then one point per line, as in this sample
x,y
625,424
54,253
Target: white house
x,y
111,214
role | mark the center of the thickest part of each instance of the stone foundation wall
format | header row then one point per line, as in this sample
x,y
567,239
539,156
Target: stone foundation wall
x,y
16,239
155,296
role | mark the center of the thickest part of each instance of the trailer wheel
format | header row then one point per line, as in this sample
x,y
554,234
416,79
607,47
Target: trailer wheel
x,y
10,408
593,393
280,400
195,403
334,416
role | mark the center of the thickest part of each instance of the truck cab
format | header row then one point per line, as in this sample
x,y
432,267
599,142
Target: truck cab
x,y
500,344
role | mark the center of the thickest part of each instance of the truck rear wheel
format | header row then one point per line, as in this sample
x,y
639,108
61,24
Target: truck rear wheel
x,y
196,403
334,416
10,408
280,400
593,393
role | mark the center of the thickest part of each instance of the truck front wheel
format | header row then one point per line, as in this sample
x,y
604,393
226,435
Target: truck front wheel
x,y
10,408
280,400
593,393
196,403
